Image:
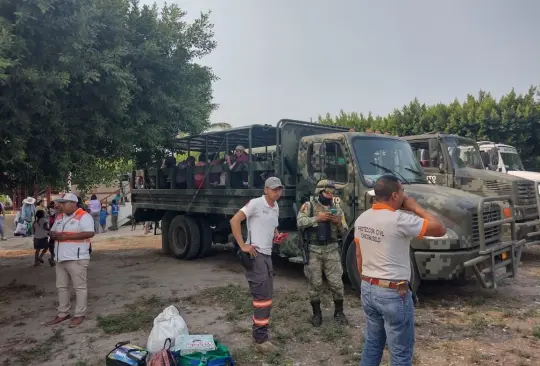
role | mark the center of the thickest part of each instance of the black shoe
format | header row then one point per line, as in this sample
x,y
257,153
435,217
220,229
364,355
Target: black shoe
x,y
316,319
339,316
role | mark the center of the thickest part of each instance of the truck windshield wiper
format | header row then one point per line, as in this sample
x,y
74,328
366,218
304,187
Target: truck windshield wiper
x,y
415,171
393,172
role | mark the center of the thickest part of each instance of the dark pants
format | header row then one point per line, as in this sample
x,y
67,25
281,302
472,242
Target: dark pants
x,y
260,279
51,247
114,222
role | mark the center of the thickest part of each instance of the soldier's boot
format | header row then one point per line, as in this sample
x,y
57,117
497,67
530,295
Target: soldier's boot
x,y
316,319
339,316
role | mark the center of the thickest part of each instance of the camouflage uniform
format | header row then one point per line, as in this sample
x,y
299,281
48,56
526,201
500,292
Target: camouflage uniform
x,y
324,257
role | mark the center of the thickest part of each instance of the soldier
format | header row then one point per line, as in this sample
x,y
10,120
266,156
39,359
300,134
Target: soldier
x,y
323,220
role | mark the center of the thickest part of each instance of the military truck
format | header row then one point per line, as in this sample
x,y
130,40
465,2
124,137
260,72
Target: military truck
x,y
456,162
194,216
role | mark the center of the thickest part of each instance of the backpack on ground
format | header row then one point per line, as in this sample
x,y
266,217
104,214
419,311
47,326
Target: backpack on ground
x,y
126,354
218,357
164,357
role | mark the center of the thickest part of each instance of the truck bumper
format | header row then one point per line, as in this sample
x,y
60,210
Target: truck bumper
x,y
467,263
434,266
530,231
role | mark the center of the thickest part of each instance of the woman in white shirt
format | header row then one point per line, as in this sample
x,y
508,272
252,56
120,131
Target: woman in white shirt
x,y
95,207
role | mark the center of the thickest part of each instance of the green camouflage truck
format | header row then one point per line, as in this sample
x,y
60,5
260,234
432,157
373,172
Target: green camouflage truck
x,y
300,154
456,162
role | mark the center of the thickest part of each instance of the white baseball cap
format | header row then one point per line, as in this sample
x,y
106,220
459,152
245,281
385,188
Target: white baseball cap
x,y
68,197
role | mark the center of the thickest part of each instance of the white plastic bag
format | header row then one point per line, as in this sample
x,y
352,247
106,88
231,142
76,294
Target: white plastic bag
x,y
168,324
21,229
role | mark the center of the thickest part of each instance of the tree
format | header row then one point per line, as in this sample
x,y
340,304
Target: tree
x,y
514,119
86,84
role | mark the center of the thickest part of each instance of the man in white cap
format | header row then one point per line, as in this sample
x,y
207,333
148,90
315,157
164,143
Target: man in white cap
x,y
256,255
72,231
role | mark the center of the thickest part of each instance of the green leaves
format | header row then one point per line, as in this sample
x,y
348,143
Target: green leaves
x,y
513,119
84,84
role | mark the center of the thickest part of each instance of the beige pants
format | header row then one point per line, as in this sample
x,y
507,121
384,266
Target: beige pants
x,y
76,272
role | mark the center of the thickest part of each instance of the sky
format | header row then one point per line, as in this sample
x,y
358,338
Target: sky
x,y
299,59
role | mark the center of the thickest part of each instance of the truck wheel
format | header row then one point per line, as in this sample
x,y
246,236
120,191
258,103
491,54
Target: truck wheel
x,y
352,268
165,224
206,238
415,275
184,237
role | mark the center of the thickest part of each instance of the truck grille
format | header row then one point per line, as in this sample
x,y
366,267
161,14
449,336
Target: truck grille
x,y
492,234
501,187
526,194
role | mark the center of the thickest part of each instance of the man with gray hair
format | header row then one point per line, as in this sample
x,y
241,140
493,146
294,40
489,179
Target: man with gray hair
x,y
255,253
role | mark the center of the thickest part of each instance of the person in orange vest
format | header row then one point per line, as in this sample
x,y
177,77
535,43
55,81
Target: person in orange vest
x,y
72,231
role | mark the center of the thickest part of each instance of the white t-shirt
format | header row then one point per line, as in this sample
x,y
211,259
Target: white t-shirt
x,y
262,221
384,236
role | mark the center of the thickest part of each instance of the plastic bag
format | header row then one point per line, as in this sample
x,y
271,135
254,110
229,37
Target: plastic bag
x,y
168,324
21,229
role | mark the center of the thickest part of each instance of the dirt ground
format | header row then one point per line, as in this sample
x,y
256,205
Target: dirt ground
x,y
130,282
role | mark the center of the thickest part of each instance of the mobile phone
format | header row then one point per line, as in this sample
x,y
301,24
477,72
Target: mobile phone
x,y
333,211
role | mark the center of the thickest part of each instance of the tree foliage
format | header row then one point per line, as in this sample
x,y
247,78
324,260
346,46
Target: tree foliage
x,y
86,84
513,119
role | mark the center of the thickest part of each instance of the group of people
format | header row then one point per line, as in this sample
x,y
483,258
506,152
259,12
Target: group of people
x,y
382,238
233,160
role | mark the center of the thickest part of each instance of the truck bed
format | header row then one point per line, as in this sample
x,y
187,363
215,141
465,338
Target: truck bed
x,y
206,201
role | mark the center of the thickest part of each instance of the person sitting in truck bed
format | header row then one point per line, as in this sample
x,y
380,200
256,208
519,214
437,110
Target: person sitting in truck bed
x,y
181,181
236,163
199,177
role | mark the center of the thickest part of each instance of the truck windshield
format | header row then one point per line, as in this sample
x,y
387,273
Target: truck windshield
x,y
511,161
464,153
394,155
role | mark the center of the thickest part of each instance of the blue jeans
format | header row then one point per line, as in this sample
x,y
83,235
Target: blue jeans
x,y
389,319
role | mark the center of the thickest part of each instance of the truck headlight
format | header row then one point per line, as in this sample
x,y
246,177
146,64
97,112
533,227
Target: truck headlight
x,y
538,186
450,234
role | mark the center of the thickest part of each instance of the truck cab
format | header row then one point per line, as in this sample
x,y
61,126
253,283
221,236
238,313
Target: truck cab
x,y
456,162
196,215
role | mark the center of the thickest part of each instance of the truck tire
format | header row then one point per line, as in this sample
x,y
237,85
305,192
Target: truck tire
x,y
206,238
165,224
184,237
415,279
352,268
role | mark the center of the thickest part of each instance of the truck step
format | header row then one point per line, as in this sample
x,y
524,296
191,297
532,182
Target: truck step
x,y
296,260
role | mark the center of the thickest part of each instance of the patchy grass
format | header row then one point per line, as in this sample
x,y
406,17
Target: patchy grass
x,y
290,323
137,315
14,289
39,353
536,331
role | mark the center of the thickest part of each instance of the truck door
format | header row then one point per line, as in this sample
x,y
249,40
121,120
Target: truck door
x,y
430,155
326,159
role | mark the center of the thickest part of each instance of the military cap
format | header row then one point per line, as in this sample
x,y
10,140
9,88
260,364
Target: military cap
x,y
329,186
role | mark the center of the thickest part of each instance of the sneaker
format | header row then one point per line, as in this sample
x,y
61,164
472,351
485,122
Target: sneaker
x,y
266,347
